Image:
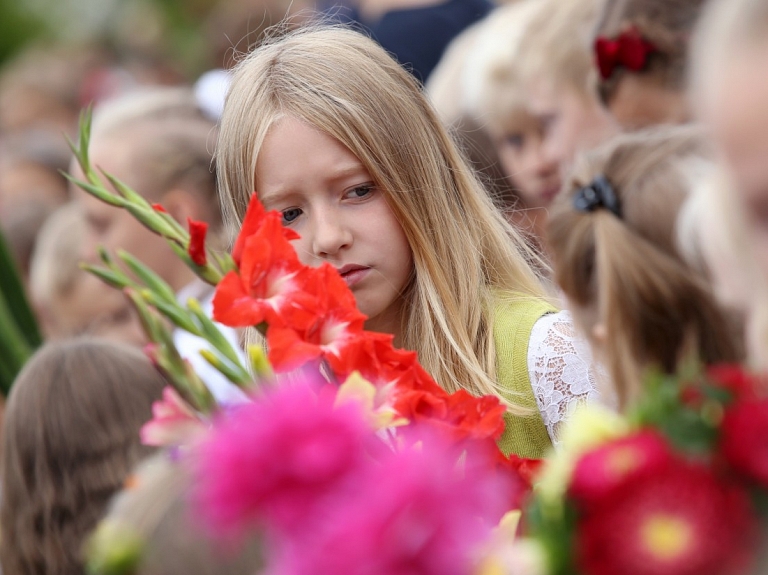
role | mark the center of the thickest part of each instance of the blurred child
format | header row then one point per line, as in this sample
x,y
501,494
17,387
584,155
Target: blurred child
x,y
641,52
613,239
730,91
156,511
332,132
160,143
560,79
68,301
70,439
497,95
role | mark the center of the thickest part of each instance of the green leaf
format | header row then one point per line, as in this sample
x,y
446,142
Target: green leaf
x,y
109,277
127,192
98,191
211,332
151,220
174,312
12,290
14,350
153,281
233,372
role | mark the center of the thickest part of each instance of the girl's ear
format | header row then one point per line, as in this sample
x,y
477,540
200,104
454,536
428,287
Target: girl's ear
x,y
182,204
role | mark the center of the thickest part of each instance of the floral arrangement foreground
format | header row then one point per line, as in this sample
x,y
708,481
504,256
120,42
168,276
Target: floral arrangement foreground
x,y
356,461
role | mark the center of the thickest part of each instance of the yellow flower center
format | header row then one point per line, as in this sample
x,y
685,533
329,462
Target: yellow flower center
x,y
666,536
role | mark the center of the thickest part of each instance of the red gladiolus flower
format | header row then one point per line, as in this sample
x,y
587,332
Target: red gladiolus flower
x,y
679,521
742,441
271,281
159,208
527,469
601,472
326,322
373,355
460,414
196,249
255,218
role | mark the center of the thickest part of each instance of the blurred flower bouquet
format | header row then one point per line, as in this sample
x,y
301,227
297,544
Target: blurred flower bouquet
x,y
677,487
364,465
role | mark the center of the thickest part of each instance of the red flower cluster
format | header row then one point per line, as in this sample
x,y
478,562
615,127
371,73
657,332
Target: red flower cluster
x,y
745,423
311,315
645,510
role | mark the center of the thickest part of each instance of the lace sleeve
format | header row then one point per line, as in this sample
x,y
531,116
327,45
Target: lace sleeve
x,y
561,370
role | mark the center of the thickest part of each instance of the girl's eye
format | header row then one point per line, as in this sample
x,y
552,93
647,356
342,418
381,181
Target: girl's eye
x,y
290,214
515,140
360,191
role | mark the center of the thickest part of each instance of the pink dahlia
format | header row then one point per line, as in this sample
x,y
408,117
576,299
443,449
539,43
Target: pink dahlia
x,y
280,458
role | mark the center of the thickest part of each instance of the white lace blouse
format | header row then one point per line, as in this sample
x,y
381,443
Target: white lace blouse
x,y
561,370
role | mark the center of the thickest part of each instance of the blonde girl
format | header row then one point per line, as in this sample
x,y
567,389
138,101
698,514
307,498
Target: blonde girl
x,y
490,92
612,235
70,439
332,132
560,79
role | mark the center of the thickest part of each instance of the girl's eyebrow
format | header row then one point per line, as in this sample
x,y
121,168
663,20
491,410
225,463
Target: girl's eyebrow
x,y
344,172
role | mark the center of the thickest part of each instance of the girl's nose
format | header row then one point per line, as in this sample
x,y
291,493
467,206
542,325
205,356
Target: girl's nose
x,y
330,234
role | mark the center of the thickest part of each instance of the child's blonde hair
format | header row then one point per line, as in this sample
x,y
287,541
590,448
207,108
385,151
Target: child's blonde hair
x,y
465,254
70,439
558,45
724,27
477,92
172,139
655,308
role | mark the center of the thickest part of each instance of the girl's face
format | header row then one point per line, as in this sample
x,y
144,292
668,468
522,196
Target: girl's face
x,y
739,119
328,197
521,151
572,122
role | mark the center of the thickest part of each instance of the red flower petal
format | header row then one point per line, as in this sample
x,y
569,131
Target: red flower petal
x,y
254,218
744,429
599,473
196,249
159,208
679,521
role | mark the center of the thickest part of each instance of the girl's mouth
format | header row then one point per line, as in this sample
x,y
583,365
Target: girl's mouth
x,y
353,273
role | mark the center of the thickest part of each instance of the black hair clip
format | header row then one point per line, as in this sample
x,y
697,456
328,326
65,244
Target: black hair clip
x,y
598,194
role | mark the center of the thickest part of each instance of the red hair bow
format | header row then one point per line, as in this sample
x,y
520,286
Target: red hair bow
x,y
630,50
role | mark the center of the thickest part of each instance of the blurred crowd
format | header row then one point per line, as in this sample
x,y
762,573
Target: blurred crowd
x,y
544,97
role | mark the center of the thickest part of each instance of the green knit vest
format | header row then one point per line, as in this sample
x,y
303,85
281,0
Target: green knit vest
x,y
524,435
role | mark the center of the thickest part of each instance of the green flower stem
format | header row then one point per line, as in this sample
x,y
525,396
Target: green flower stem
x,y
211,332
153,281
174,312
234,372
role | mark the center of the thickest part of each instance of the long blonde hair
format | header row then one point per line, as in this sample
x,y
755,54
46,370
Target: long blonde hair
x,y
656,308
465,254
